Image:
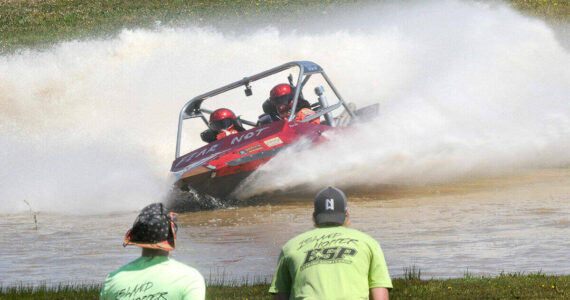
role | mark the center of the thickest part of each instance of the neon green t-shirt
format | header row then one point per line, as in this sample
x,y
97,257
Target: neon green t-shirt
x,y
156,277
330,263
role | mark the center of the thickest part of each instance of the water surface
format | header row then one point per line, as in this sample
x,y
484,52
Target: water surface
x,y
518,223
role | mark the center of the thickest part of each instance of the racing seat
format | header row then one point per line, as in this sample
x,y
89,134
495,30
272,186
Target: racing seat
x,y
208,135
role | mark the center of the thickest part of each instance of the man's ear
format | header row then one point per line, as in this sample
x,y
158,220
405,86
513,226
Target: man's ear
x,y
347,218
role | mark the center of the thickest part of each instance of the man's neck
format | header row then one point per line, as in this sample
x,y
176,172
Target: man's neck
x,y
147,252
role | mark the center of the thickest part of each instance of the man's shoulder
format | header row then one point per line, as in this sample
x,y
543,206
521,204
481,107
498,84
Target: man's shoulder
x,y
325,233
297,239
157,264
313,234
356,231
302,235
160,273
183,268
361,235
133,265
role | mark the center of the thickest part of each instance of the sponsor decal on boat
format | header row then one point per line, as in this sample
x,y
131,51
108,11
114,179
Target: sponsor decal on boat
x,y
250,149
273,142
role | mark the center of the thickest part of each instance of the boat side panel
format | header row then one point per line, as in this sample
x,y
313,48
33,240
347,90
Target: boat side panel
x,y
224,177
211,151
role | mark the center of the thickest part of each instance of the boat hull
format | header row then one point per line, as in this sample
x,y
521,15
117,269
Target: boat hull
x,y
218,168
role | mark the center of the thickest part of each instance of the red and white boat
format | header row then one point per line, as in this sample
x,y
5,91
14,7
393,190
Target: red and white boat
x,y
218,167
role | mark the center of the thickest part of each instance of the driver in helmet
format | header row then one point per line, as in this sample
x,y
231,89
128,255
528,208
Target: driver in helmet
x,y
224,122
281,96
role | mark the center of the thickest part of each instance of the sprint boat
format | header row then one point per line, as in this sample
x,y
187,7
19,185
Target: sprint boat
x,y
219,166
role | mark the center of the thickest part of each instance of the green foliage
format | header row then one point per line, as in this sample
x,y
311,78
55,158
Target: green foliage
x,y
412,273
504,286
256,291
44,22
557,11
36,23
61,291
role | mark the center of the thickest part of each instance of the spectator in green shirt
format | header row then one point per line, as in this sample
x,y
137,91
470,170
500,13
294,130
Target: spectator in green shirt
x,y
331,261
154,275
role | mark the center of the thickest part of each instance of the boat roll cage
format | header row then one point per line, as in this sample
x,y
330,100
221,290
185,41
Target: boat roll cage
x,y
192,108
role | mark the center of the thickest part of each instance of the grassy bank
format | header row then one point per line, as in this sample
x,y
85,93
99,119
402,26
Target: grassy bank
x,y
42,22
506,286
36,23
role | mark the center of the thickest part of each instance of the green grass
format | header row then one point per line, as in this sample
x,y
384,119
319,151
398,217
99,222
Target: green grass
x,y
43,22
62,291
504,286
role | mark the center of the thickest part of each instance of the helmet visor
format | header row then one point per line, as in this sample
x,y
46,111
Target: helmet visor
x,y
221,124
282,109
282,100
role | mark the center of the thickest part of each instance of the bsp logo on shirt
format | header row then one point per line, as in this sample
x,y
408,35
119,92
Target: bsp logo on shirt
x,y
330,255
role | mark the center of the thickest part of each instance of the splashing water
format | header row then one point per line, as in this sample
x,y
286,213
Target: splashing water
x,y
465,90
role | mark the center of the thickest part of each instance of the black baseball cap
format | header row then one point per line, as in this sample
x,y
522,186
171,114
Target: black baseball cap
x,y
330,206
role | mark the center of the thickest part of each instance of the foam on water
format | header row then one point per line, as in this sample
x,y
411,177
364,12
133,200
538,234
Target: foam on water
x,y
465,89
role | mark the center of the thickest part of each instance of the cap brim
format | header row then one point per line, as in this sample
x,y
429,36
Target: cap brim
x,y
164,245
331,217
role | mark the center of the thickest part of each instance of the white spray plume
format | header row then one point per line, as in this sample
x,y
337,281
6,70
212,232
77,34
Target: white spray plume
x,y
89,126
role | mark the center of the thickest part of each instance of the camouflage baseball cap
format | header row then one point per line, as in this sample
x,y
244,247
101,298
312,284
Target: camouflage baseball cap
x,y
155,228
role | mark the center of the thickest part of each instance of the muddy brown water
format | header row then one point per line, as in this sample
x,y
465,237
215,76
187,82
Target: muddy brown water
x,y
517,223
